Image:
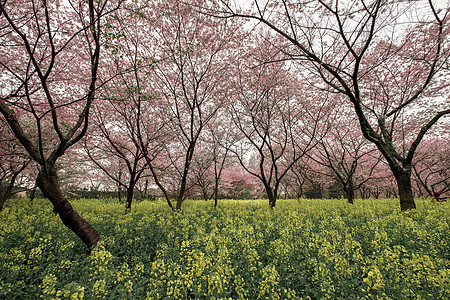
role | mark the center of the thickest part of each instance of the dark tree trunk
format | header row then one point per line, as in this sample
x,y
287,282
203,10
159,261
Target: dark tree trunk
x,y
405,191
119,193
350,192
48,184
119,187
129,199
7,192
4,195
205,194
182,190
216,190
350,196
145,196
375,192
179,201
272,203
33,192
272,195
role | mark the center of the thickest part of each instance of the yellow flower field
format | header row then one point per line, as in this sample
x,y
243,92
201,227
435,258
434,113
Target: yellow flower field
x,y
303,249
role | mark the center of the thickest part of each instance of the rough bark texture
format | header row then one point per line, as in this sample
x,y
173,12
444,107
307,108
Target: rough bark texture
x,y
215,194
129,200
350,196
48,184
33,193
3,196
179,202
119,193
350,192
405,191
272,195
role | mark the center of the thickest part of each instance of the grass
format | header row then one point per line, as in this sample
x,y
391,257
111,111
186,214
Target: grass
x,y
317,249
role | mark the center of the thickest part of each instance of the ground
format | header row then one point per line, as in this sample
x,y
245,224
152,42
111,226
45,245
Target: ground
x,y
302,249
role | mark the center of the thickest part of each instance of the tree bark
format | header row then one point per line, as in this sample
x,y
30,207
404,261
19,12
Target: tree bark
x,y
272,195
350,192
129,199
351,196
119,187
4,196
48,184
33,192
216,190
145,196
179,202
405,191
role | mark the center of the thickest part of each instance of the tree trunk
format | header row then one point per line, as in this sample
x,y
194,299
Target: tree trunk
x,y
179,201
119,193
376,193
205,194
215,196
7,192
405,191
351,196
272,195
119,187
48,184
4,196
272,203
129,199
145,189
350,192
33,192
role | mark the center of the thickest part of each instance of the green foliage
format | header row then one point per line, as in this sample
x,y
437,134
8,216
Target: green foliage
x,y
307,248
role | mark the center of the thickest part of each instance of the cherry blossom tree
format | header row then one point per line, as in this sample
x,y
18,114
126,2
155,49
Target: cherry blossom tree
x,y
296,179
112,145
118,144
13,161
346,155
278,125
189,78
387,60
49,61
431,166
309,179
222,138
236,183
213,155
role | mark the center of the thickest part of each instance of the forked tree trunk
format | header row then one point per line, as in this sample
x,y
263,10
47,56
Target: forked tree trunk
x,y
205,194
48,184
405,191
